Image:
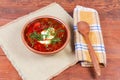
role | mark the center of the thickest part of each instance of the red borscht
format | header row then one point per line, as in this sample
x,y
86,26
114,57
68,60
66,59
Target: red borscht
x,y
45,34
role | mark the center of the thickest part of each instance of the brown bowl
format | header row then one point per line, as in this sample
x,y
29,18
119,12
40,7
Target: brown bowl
x,y
39,51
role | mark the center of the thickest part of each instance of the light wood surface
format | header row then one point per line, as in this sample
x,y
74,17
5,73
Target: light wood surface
x,y
109,11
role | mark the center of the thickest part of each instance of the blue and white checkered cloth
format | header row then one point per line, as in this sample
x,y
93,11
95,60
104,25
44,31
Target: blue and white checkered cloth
x,y
91,17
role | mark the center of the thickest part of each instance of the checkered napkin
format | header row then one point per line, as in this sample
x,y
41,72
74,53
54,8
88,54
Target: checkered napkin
x,y
91,17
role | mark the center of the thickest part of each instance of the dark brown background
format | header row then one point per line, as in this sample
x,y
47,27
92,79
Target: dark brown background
x,y
109,11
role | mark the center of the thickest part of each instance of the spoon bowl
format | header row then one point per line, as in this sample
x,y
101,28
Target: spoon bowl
x,y
83,28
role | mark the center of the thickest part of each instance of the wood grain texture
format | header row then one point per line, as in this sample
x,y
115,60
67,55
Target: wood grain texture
x,y
109,11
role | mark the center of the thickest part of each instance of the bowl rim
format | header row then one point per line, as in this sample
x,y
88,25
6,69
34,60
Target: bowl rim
x,y
41,52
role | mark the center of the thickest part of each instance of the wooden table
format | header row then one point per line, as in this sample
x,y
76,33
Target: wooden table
x,y
109,11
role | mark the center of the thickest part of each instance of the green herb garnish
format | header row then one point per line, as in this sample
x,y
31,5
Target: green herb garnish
x,y
60,30
55,40
44,36
37,36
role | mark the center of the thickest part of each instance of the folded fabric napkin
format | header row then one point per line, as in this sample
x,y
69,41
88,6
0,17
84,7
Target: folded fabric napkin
x,y
29,65
91,17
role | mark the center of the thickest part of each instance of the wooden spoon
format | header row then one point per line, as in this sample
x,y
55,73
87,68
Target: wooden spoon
x,y
84,29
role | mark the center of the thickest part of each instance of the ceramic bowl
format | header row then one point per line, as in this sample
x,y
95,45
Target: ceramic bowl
x,y
31,33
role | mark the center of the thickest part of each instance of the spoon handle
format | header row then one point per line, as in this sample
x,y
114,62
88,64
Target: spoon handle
x,y
93,56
